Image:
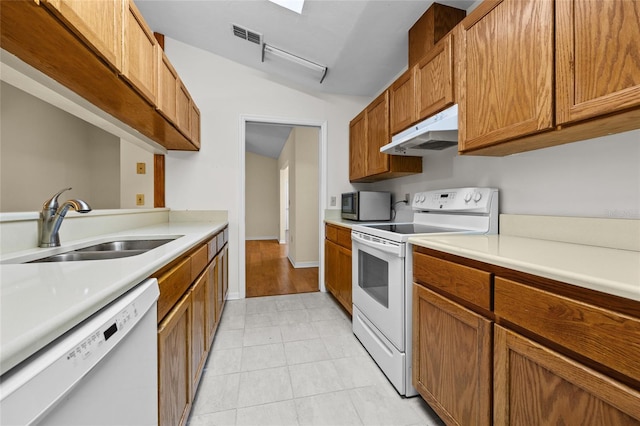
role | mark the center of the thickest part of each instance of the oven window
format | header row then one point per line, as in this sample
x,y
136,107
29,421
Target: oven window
x,y
373,277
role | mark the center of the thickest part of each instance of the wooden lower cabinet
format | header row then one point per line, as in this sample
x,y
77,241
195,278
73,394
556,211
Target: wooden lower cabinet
x,y
174,370
199,336
337,264
452,358
186,332
535,385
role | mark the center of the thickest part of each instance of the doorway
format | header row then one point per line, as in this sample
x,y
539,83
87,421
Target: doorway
x,y
286,260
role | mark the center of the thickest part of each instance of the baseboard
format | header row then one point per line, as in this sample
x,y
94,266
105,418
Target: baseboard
x,y
297,265
282,242
275,237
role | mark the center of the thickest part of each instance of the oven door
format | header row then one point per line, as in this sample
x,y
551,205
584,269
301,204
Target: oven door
x,y
378,284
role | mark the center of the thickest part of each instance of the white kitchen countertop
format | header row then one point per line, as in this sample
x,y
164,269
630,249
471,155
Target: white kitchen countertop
x,y
608,270
41,301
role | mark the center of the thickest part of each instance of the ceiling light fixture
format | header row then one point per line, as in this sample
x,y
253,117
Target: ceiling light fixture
x,y
295,59
294,5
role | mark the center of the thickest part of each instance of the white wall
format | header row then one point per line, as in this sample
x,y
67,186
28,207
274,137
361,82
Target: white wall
x,y
594,178
132,183
210,179
262,197
44,149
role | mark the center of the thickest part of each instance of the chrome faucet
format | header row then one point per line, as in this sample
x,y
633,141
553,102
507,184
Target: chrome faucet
x,y
51,218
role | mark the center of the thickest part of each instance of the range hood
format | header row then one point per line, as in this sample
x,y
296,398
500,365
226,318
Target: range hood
x,y
435,133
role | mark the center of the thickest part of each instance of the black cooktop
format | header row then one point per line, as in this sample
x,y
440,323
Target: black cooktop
x,y
412,228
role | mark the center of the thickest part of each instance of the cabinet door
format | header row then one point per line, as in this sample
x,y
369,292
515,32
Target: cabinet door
x,y
506,72
140,57
331,267
377,119
535,385
357,147
451,358
183,109
199,337
598,58
98,23
223,274
344,278
174,370
167,86
434,79
402,101
195,124
212,307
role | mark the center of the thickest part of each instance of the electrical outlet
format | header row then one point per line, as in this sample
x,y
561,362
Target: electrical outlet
x,y
139,199
407,198
141,168
333,201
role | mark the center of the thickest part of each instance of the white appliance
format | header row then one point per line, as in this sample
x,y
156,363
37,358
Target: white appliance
x,y
102,372
382,268
435,133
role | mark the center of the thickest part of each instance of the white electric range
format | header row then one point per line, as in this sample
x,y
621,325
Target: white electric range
x,y
383,271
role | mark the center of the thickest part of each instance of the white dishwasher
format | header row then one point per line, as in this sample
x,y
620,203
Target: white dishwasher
x,y
102,372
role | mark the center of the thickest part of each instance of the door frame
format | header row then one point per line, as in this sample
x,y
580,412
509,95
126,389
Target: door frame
x,y
322,190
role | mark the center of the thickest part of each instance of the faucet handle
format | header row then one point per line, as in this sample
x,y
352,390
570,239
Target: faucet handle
x,y
52,203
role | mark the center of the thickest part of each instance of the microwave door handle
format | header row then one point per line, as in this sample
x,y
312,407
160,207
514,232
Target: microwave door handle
x,y
391,249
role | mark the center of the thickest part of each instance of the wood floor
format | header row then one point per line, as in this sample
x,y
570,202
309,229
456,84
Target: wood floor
x,y
270,273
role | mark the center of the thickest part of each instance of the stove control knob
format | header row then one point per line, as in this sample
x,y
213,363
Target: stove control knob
x,y
467,197
477,197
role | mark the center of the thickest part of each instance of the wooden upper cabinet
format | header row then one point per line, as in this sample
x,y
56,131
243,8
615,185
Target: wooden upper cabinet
x,y
195,124
432,26
402,101
167,87
434,79
377,134
183,109
98,23
506,71
357,147
140,62
598,58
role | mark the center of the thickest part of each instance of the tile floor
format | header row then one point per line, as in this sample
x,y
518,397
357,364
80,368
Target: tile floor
x,y
293,360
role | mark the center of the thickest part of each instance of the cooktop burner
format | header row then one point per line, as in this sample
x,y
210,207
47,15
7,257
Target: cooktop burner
x,y
411,228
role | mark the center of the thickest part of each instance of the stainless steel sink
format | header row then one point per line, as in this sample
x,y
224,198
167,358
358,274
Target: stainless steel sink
x,y
108,250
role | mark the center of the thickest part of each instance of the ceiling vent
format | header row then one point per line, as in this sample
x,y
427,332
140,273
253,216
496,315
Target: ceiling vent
x,y
246,34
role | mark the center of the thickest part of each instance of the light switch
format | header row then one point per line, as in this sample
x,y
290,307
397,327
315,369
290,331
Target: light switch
x,y
141,168
139,199
333,201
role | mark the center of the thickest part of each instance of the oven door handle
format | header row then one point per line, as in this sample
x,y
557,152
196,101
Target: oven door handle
x,y
397,250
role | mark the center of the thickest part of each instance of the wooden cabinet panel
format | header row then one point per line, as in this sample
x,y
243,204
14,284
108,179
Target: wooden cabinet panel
x,y
402,100
167,87
535,385
195,124
470,284
225,274
173,285
98,23
506,72
212,308
434,79
338,264
198,261
605,336
432,26
358,147
331,266
140,57
598,58
452,358
377,135
344,278
199,337
183,109
174,370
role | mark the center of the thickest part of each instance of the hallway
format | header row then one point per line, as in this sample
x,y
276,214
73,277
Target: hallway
x,y
269,272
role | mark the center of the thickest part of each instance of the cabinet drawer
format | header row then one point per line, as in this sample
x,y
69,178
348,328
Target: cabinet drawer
x,y
172,285
344,237
331,233
464,282
199,260
212,248
605,336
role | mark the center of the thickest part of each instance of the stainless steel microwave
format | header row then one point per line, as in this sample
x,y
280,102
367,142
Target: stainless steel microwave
x,y
366,205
